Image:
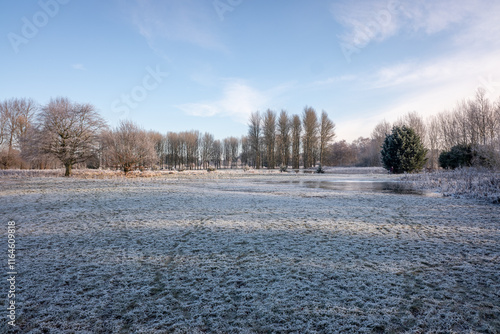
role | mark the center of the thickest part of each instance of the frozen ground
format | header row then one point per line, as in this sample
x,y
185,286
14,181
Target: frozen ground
x,y
250,254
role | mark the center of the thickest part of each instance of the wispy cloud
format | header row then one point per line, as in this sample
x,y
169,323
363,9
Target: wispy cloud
x,y
186,21
465,66
238,101
377,20
428,87
332,80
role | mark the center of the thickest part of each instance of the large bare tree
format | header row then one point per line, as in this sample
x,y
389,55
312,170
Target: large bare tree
x,y
70,131
326,135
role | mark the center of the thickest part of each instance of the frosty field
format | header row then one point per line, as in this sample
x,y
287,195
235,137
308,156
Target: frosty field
x,y
247,253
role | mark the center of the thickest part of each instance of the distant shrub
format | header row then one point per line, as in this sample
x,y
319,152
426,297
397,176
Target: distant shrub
x,y
320,169
458,156
283,168
211,169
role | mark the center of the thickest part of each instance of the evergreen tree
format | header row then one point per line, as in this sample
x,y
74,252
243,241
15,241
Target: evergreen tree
x,y
458,156
403,151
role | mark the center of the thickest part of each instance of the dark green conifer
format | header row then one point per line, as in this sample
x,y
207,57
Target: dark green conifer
x,y
403,151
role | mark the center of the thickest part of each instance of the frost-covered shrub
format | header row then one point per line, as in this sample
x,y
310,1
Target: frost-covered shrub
x,y
471,182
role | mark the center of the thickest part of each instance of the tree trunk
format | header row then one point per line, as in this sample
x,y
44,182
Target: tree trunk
x,y
68,169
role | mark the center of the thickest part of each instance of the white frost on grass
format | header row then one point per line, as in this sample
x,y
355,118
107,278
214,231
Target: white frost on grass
x,y
249,254
474,183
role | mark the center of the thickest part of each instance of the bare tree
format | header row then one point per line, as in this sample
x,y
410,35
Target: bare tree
x,y
433,141
471,122
245,150
70,131
217,153
269,131
284,126
296,135
415,121
159,146
31,150
343,154
206,149
254,137
16,117
234,146
310,136
3,124
173,150
378,135
191,147
364,152
227,152
129,147
326,134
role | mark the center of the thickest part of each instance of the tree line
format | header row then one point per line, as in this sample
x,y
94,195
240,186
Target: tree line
x,y
66,133
472,125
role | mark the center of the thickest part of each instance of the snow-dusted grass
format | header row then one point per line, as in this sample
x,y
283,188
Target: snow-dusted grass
x,y
474,183
249,254
106,173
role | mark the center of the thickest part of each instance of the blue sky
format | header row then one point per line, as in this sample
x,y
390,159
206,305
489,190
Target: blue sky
x,y
206,65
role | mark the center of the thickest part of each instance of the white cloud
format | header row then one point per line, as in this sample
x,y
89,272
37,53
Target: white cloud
x,y
377,20
448,70
238,101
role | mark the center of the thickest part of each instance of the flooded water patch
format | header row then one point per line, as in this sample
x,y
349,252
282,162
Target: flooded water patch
x,y
375,186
